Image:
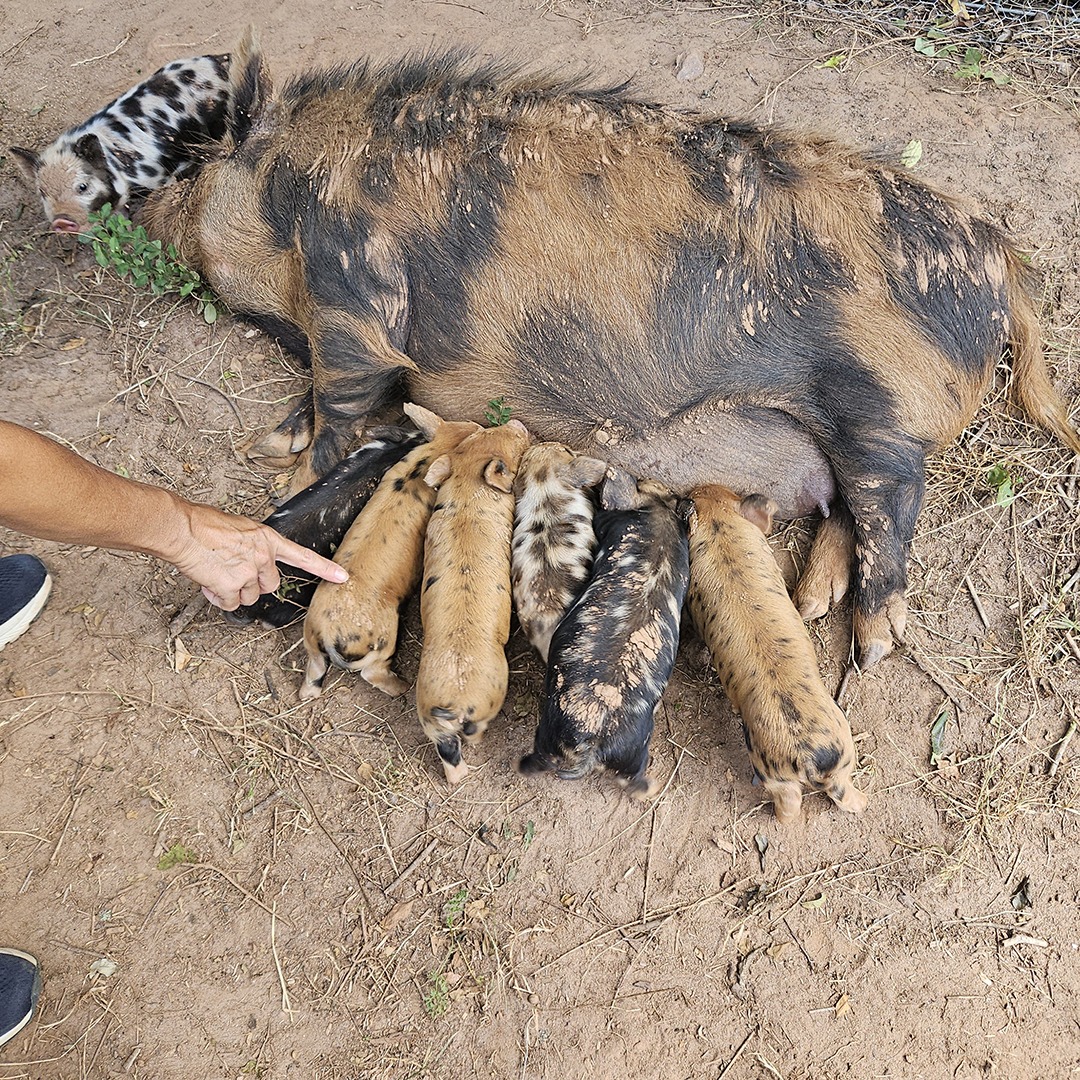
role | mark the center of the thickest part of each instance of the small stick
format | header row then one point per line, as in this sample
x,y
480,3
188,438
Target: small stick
x,y
1070,731
63,832
1024,939
217,390
182,619
411,867
286,1004
795,938
735,1057
104,56
25,37
975,600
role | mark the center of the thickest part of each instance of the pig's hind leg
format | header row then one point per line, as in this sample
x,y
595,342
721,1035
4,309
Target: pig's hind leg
x,y
827,575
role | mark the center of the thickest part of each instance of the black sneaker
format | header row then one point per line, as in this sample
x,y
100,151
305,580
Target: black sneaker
x,y
24,588
20,985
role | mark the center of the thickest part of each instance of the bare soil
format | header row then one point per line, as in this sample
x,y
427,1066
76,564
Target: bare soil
x,y
332,911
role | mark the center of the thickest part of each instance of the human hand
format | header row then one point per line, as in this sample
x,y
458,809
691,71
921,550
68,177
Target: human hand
x,y
234,558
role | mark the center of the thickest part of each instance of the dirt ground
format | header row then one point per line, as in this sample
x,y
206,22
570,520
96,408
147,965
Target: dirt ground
x,y
222,881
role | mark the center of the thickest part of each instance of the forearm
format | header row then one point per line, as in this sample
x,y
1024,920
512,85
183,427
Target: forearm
x,y
49,492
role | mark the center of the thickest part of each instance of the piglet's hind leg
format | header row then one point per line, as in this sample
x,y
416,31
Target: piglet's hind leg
x,y
848,798
787,799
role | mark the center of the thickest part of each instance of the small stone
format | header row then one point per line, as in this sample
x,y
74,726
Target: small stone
x,y
689,66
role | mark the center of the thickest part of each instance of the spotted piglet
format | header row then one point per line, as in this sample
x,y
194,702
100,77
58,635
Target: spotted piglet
x,y
797,735
355,625
612,654
553,536
153,134
465,597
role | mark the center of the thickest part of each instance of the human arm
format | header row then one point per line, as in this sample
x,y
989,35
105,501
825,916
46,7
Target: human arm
x,y
49,492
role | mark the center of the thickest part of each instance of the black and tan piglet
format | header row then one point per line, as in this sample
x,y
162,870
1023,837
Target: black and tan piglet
x,y
612,654
355,625
465,597
320,515
797,735
554,538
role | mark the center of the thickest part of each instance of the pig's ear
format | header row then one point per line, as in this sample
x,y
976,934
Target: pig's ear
x,y
423,418
249,87
89,149
438,471
27,160
498,475
759,511
586,471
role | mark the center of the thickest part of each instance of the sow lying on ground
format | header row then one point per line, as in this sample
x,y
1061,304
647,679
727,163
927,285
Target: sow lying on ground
x,y
692,298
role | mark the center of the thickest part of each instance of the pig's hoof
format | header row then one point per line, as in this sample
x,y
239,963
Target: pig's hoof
x,y
278,449
827,574
309,691
854,802
876,634
302,479
787,800
455,773
388,683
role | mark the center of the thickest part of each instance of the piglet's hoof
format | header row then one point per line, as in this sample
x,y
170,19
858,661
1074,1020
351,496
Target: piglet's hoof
x,y
455,773
852,801
642,789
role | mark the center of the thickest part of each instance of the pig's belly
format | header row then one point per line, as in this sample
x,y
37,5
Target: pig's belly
x,y
746,449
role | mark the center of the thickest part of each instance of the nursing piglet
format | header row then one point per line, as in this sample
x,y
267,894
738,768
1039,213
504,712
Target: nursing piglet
x,y
797,735
465,597
355,627
554,538
613,652
319,516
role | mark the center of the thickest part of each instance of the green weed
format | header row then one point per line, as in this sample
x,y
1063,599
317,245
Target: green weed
x,y
121,246
498,412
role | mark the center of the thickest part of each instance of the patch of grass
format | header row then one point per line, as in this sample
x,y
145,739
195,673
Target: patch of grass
x,y
176,856
437,999
127,249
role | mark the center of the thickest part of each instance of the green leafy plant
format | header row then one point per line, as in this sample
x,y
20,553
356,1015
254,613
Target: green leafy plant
x,y
126,248
934,42
498,412
175,856
453,908
834,62
437,999
999,479
973,66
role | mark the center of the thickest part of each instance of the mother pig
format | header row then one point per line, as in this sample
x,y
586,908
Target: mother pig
x,y
695,299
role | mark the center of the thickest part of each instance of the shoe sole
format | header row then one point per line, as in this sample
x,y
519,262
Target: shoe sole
x,y
20,622
35,989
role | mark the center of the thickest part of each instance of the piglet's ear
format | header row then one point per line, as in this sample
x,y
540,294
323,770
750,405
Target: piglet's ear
x,y
438,471
759,511
586,471
423,418
518,426
89,149
498,475
27,160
